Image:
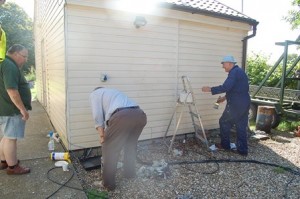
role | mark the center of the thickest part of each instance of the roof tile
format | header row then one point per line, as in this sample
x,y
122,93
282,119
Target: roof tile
x,y
211,6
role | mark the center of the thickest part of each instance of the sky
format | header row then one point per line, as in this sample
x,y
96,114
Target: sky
x,y
271,28
269,13
27,5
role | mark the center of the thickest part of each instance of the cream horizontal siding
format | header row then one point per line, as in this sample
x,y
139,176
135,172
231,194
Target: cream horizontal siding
x,y
39,8
139,62
50,25
38,68
201,47
147,64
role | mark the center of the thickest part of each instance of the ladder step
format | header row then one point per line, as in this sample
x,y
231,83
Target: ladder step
x,y
194,114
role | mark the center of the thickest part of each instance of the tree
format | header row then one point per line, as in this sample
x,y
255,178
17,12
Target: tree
x,y
18,27
257,69
294,15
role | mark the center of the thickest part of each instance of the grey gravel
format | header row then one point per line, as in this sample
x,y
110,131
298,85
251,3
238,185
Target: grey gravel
x,y
184,174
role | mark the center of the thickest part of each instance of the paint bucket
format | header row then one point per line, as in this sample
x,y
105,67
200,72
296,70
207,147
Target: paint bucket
x,y
60,156
264,118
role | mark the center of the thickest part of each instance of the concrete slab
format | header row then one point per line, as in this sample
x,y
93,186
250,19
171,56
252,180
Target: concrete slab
x,y
33,152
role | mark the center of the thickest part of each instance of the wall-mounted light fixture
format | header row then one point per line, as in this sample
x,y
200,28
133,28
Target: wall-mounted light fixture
x,y
139,21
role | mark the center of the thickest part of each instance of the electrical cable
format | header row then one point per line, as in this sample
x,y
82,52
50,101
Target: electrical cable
x,y
205,173
235,160
208,172
65,184
62,184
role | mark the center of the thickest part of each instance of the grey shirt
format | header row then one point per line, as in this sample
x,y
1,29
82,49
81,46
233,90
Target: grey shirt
x,y
104,101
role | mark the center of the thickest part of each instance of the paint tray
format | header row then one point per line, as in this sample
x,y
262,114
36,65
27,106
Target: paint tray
x,y
91,163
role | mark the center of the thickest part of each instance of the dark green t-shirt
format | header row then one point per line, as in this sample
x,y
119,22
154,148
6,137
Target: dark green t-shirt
x,y
11,77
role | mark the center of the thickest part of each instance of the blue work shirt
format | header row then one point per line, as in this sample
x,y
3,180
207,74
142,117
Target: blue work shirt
x,y
236,87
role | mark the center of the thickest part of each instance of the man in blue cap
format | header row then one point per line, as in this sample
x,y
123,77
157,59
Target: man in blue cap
x,y
236,87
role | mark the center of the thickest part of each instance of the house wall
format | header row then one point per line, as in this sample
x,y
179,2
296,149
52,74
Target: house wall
x,y
201,48
50,61
145,63
139,62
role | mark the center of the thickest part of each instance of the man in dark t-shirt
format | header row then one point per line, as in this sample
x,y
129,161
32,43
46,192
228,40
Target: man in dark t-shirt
x,y
15,101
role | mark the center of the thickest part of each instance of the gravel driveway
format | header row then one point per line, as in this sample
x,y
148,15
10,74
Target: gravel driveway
x,y
271,170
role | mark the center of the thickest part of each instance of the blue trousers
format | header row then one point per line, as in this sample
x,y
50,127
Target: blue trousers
x,y
239,119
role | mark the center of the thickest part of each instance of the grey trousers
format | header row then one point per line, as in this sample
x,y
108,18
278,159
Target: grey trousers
x,y
123,131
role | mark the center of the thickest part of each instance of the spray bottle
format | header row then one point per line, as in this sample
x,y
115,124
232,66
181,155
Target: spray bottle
x,y
51,145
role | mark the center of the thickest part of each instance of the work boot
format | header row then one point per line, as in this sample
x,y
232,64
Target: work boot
x,y
17,170
3,165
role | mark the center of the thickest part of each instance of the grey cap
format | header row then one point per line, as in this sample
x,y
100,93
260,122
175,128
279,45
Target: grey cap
x,y
228,58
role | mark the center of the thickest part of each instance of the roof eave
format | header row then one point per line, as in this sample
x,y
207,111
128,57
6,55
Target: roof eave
x,y
208,13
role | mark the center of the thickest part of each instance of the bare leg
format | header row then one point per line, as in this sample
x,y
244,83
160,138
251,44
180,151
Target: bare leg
x,y
10,150
2,157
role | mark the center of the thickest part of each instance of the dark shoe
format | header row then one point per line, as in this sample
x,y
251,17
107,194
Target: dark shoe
x,y
3,165
17,170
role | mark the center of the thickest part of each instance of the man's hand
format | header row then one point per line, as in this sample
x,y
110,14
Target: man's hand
x,y
25,114
101,133
16,99
101,139
206,89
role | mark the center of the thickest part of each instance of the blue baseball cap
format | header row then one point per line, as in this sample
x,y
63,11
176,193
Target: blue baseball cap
x,y
228,58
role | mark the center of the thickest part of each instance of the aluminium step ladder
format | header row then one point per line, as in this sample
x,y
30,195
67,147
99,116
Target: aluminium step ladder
x,y
187,98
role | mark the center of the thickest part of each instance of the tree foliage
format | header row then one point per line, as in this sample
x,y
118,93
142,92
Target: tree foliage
x,y
18,27
294,15
258,67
